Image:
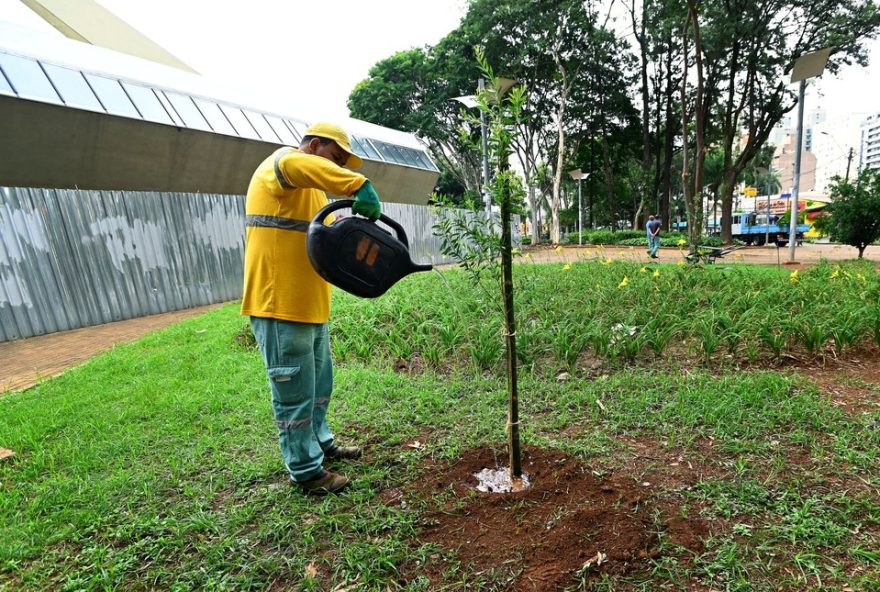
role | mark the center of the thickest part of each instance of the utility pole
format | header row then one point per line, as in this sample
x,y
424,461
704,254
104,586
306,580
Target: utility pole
x,y
848,162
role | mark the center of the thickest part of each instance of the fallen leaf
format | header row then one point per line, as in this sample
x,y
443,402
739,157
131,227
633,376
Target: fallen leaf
x,y
311,571
416,444
5,453
601,405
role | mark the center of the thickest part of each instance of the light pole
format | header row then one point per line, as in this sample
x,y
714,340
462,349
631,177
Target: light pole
x,y
577,175
471,101
764,171
807,66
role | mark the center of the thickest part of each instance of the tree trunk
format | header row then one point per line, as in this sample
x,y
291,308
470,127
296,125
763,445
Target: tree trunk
x,y
725,192
510,334
533,210
685,120
695,226
609,184
555,237
669,146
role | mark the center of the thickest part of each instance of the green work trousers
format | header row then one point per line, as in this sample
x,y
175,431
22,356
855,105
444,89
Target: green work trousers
x,y
300,371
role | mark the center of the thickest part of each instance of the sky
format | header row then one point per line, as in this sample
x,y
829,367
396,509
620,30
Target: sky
x,y
305,56
308,56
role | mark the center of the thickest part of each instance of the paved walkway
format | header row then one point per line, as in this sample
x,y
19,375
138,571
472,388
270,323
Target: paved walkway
x,y
808,254
24,362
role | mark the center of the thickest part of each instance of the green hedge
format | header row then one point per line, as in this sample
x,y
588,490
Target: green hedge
x,y
635,238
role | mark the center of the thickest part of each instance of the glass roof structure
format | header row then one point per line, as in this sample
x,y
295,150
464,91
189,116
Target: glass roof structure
x,y
40,80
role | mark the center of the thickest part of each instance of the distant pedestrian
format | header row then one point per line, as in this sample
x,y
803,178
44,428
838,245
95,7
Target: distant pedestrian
x,y
653,230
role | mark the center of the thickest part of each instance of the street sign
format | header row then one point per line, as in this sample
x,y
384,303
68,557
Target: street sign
x,y
751,191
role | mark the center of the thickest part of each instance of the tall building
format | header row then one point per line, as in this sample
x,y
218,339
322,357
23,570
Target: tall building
x,y
787,126
869,142
813,119
783,163
836,147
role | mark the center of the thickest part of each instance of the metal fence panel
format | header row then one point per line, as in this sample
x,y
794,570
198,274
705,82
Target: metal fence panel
x,y
71,259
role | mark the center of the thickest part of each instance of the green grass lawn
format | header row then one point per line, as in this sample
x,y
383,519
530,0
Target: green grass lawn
x,y
155,465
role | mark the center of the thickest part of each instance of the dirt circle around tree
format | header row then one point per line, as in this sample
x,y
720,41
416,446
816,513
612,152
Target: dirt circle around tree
x,y
572,524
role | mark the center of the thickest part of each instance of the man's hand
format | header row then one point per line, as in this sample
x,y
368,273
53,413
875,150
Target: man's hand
x,y
366,202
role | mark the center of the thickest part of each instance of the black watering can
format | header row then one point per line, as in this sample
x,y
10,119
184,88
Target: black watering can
x,y
357,255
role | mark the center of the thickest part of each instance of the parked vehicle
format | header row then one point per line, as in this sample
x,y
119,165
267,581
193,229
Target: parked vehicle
x,y
754,228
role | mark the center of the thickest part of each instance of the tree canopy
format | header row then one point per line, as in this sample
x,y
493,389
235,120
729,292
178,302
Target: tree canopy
x,y
855,212
676,110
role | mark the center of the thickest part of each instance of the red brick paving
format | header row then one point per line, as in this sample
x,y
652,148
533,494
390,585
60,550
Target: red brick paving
x,y
25,362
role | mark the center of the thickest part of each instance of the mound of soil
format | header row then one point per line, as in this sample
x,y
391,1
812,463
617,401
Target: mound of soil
x,y
570,525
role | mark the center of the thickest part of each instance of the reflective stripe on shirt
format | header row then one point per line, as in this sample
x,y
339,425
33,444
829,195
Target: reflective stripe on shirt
x,y
276,222
278,174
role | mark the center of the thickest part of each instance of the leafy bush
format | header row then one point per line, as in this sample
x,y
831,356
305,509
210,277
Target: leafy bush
x,y
605,237
636,238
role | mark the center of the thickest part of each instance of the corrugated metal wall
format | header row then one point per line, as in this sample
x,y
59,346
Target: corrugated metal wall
x,y
71,259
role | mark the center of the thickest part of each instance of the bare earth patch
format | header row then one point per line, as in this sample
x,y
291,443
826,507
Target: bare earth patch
x,y
571,524
852,382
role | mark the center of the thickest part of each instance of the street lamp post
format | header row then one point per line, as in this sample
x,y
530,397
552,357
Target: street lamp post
x,y
577,175
471,101
807,66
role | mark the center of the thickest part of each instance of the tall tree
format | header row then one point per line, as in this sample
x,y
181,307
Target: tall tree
x,y
751,51
855,211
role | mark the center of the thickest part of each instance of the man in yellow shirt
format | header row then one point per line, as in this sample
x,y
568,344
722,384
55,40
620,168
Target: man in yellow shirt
x,y
289,303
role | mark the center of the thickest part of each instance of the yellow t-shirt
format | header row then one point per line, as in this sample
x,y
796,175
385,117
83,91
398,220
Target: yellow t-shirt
x,y
285,193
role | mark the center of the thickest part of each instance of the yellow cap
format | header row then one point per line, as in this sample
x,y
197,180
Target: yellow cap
x,y
331,131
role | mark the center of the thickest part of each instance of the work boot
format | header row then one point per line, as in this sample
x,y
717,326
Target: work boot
x,y
325,482
343,453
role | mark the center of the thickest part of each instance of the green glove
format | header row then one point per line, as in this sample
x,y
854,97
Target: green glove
x,y
366,202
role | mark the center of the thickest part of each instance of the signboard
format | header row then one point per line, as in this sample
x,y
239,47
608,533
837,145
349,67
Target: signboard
x,y
777,205
750,191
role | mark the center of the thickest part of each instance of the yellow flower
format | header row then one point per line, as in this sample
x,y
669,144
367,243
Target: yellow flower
x,y
643,270
598,286
528,255
681,242
656,273
566,267
624,283
515,252
559,249
681,262
860,277
835,274
606,261
621,254
793,278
